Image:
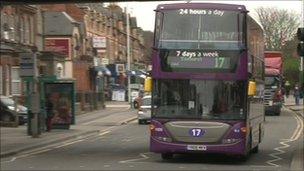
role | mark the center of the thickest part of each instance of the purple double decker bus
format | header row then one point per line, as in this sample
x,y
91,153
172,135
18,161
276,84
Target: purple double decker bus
x,y
208,80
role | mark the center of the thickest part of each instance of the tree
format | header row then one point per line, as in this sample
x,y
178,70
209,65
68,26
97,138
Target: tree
x,y
148,37
279,25
291,69
291,61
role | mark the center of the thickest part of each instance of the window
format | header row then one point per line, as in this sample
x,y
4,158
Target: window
x,y
22,30
16,81
11,24
180,30
27,30
4,26
1,82
32,34
17,38
7,82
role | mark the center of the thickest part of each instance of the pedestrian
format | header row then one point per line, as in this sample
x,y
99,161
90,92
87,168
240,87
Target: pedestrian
x,y
49,113
296,94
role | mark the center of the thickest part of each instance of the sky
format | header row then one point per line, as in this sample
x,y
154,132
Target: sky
x,y
144,13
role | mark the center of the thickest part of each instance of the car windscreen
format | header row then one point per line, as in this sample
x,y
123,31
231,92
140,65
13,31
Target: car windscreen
x,y
271,80
199,99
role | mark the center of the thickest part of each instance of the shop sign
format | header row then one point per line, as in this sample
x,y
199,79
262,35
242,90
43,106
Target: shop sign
x,y
99,42
59,45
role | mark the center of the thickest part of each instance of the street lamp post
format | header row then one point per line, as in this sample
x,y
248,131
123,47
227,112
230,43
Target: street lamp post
x,y
128,55
301,79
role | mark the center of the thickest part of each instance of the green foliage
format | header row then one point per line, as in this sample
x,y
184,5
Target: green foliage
x,y
291,69
279,26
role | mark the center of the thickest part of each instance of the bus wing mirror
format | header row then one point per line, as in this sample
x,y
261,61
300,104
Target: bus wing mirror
x,y
252,88
148,84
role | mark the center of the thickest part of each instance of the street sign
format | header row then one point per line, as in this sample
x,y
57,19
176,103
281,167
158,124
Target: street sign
x,y
27,65
99,42
104,61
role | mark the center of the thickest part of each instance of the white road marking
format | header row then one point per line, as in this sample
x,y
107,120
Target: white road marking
x,y
135,121
279,150
98,137
104,133
125,121
7,161
143,156
88,123
127,140
261,166
48,148
69,143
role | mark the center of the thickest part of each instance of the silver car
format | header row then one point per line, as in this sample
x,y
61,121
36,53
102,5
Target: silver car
x,y
144,111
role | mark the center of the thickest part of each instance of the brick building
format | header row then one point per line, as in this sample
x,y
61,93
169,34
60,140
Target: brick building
x,y
21,31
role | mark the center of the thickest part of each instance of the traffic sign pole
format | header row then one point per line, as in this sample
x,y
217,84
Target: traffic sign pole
x,y
29,72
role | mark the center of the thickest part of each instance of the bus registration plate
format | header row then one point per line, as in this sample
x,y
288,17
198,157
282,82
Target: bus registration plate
x,y
197,147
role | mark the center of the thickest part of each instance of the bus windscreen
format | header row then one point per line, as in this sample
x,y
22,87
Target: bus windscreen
x,y
199,99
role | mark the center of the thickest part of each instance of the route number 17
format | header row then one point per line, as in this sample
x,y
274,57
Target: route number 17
x,y
196,132
219,62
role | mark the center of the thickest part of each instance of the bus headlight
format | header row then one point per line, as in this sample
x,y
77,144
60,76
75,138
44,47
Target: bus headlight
x,y
230,140
165,139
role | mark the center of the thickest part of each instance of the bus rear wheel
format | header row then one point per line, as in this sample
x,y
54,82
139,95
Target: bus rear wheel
x,y
167,156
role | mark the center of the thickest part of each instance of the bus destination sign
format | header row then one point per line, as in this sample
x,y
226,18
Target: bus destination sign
x,y
198,59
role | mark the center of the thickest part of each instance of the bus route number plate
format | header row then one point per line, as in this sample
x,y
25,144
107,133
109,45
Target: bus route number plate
x,y
197,147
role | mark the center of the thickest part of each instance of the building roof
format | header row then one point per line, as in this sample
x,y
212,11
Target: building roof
x,y
133,22
58,24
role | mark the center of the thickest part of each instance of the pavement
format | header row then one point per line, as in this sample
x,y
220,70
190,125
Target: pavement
x,y
115,104
297,159
290,103
16,140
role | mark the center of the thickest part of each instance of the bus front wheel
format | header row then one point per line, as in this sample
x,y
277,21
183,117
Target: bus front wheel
x,y
167,156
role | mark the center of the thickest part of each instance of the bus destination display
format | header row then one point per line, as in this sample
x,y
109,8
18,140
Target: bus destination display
x,y
197,59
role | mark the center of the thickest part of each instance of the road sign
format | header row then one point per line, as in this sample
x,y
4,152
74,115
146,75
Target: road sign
x,y
104,61
27,64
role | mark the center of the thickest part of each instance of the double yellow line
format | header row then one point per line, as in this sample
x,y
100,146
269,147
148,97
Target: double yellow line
x,y
299,130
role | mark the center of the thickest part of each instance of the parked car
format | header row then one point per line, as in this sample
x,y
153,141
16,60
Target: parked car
x,y
9,110
22,114
144,111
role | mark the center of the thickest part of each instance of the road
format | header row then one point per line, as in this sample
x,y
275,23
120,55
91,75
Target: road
x,y
126,147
